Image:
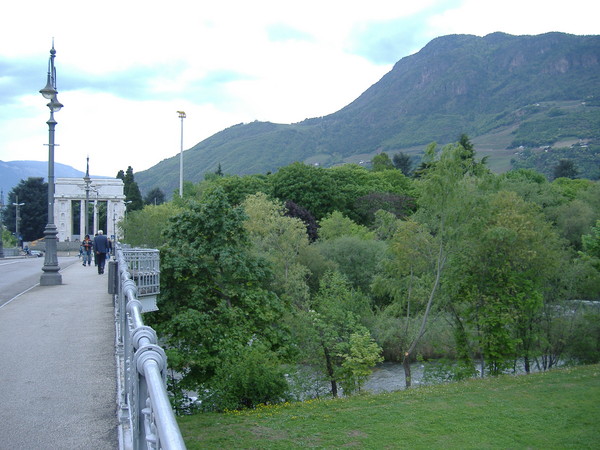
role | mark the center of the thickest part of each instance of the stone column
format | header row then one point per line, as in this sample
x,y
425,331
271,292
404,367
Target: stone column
x,y
95,227
82,219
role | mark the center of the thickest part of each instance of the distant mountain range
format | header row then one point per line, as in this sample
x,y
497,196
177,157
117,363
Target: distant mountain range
x,y
12,172
503,91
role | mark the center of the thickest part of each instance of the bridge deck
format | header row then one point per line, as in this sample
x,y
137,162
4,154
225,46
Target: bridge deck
x,y
57,365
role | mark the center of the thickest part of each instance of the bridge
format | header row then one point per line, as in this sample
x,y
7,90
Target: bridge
x,y
78,367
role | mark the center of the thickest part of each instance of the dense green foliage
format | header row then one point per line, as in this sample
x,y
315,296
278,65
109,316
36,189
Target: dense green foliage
x,y
33,192
214,299
504,91
484,271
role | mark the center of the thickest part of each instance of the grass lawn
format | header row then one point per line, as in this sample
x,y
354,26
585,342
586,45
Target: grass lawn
x,y
556,409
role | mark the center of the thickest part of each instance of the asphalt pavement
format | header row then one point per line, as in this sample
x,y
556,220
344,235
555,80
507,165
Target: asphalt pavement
x,y
57,365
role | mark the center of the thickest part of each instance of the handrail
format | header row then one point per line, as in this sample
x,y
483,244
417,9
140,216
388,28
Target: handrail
x,y
146,415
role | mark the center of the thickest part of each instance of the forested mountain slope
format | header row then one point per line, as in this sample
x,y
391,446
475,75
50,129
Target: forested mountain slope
x,y
503,91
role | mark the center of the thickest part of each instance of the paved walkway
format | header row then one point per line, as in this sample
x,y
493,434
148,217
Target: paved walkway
x,y
57,366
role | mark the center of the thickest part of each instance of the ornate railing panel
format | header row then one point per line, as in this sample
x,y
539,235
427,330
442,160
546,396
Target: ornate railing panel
x,y
147,419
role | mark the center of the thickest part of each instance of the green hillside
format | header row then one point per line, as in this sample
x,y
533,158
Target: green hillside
x,y
503,91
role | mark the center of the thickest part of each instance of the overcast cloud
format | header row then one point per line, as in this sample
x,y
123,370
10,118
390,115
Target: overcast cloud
x,y
124,68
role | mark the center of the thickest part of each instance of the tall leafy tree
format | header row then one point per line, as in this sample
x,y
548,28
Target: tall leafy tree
x,y
214,298
279,239
333,339
33,192
131,190
444,198
502,271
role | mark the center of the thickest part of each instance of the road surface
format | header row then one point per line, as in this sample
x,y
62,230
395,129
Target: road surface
x,y
18,275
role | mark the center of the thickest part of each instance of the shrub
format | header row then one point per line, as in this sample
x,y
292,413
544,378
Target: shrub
x,y
255,376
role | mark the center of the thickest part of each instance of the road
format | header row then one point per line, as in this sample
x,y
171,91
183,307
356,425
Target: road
x,y
18,275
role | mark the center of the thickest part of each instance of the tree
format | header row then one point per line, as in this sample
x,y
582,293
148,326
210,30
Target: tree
x,y
328,340
131,190
145,228
33,192
503,271
382,162
410,277
279,239
403,163
368,205
155,197
236,187
358,259
297,211
336,225
566,168
591,242
311,187
428,161
214,298
444,201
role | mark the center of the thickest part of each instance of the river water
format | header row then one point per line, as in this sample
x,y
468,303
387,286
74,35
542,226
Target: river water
x,y
389,376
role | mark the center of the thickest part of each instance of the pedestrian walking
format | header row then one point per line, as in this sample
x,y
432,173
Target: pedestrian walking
x,y
87,247
101,248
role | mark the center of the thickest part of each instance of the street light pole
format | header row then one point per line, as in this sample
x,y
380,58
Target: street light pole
x,y
181,116
51,275
17,219
1,223
87,180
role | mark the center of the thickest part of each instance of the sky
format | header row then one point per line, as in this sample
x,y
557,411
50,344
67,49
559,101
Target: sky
x,y
124,68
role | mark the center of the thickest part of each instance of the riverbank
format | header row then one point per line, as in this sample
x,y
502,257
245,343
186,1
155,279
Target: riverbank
x,y
555,409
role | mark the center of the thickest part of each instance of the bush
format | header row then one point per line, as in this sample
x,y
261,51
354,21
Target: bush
x,y
252,378
584,347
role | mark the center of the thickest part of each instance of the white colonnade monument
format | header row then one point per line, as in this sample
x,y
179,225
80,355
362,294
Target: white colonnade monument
x,y
70,191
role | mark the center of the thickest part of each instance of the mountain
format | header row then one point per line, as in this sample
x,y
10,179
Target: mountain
x,y
12,172
503,91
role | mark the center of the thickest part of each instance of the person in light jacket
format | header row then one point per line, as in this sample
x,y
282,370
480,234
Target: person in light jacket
x,y
101,248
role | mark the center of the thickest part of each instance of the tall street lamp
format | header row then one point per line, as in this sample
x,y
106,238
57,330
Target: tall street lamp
x,y
87,180
17,219
51,275
181,116
1,223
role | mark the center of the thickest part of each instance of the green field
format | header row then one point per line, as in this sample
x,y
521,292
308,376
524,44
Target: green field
x,y
556,409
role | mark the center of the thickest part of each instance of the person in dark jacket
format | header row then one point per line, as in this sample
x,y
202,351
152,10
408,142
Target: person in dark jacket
x,y
101,248
87,248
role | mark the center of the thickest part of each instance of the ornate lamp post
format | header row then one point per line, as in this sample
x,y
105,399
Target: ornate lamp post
x,y
17,205
51,275
181,116
88,181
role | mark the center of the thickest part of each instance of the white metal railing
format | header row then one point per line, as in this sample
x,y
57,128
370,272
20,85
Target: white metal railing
x,y
146,418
